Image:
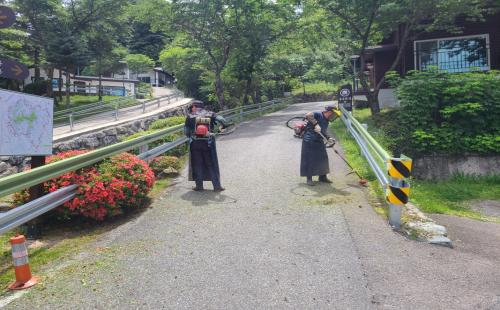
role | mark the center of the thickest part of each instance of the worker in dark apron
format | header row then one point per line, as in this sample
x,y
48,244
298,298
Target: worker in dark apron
x,y
314,159
203,162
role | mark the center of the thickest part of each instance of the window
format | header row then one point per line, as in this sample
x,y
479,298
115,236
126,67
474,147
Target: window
x,y
461,54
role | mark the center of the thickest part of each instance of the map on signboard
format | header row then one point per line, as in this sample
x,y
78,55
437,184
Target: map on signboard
x,y
25,124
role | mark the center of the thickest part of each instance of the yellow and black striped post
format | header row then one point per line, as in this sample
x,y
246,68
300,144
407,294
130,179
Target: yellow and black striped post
x,y
398,189
399,168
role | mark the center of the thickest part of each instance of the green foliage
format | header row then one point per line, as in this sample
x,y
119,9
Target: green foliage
x,y
139,63
316,88
37,88
448,113
159,164
451,196
162,124
184,62
167,122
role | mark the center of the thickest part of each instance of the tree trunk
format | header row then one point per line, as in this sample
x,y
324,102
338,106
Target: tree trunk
x,y
257,97
373,101
50,77
219,90
59,85
248,89
100,87
36,61
68,81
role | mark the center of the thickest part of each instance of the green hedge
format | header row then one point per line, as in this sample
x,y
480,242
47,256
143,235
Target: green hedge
x,y
162,124
446,113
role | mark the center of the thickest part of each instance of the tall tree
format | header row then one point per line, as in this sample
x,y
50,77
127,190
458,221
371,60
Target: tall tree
x,y
261,23
36,17
212,24
67,50
138,63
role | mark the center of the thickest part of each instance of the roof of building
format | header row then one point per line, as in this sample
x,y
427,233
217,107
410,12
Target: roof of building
x,y
106,79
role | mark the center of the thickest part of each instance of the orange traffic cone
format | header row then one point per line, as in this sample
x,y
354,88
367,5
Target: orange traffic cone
x,y
21,265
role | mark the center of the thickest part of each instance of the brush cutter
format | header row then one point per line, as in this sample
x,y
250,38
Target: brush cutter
x,y
229,129
329,144
298,125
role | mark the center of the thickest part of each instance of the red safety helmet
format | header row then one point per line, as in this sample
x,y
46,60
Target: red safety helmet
x,y
201,130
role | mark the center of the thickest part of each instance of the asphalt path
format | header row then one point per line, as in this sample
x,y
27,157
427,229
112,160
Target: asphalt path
x,y
268,242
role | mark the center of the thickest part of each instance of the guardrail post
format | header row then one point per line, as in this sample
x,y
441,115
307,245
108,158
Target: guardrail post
x,y
71,124
398,188
144,107
260,109
158,102
116,111
241,114
143,148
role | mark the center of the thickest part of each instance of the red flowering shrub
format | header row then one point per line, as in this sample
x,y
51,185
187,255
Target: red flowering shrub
x,y
129,177
106,190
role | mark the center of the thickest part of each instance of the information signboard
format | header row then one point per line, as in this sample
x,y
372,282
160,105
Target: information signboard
x,y
26,123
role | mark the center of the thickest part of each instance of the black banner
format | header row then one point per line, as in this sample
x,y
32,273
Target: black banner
x,y
13,70
345,97
7,17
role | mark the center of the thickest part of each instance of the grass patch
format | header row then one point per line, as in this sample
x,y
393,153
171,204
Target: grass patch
x,y
316,88
58,244
353,154
443,197
78,100
453,196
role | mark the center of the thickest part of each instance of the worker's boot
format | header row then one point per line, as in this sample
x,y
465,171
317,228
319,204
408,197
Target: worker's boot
x,y
324,179
310,181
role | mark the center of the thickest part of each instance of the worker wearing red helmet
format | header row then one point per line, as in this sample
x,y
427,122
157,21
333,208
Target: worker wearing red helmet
x,y
203,162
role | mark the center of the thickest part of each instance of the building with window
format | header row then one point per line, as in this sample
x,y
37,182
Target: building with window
x,y
155,77
476,48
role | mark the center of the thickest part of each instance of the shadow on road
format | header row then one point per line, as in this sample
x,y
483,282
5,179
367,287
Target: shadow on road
x,y
207,197
318,190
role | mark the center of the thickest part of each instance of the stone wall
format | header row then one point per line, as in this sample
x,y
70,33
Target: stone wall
x,y
89,141
442,167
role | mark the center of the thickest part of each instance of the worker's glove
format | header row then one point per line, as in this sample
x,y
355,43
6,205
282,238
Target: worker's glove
x,y
222,129
330,142
317,129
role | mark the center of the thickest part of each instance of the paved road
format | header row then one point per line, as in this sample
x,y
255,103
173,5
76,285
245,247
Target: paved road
x,y
107,119
104,119
267,242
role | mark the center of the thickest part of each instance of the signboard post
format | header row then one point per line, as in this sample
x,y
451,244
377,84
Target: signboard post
x,y
345,97
26,130
24,119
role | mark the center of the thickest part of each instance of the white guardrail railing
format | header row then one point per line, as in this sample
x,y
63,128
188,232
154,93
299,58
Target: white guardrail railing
x,y
392,173
11,184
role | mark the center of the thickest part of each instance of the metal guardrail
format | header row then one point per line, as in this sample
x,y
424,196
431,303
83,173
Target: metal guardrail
x,y
113,108
392,173
23,180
